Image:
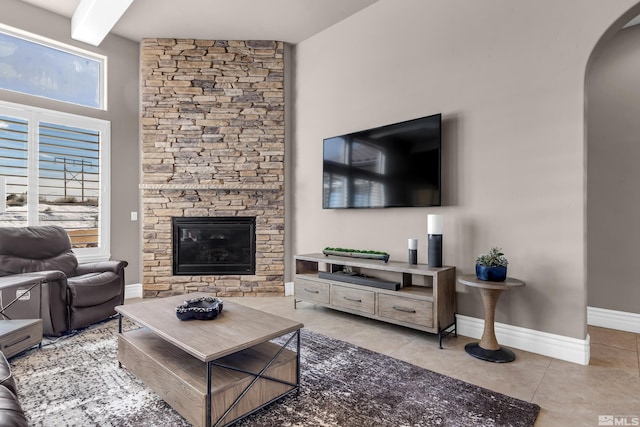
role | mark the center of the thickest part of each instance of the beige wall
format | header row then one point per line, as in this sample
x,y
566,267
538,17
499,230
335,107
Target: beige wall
x,y
123,82
509,80
613,201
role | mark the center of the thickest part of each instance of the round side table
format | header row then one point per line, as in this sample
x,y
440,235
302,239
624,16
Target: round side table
x,y
488,348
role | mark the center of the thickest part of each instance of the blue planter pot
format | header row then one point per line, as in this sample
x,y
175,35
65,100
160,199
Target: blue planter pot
x,y
493,274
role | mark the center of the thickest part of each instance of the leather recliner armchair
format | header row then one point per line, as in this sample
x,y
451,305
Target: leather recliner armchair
x,y
72,295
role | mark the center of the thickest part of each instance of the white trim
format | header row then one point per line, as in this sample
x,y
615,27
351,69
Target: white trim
x,y
32,162
133,291
3,194
288,289
634,21
556,346
612,319
83,259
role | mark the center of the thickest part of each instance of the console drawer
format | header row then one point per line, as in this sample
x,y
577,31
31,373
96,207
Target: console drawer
x,y
408,310
310,290
353,299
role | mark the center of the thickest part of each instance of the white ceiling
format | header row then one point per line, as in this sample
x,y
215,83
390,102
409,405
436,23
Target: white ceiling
x,y
286,20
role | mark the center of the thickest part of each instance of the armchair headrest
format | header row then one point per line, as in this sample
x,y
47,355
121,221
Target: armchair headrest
x,y
37,248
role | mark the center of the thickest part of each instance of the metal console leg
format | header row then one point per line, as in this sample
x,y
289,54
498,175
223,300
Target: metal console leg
x,y
119,332
443,332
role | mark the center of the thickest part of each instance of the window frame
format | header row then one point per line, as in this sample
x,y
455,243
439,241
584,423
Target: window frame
x,y
53,44
34,116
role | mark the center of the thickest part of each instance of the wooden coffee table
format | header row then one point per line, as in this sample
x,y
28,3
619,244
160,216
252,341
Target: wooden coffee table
x,y
213,372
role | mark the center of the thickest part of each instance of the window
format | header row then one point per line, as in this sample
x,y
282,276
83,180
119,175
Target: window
x,y
54,170
38,66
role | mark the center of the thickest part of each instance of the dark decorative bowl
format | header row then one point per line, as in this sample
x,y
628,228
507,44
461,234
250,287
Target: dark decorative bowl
x,y
203,308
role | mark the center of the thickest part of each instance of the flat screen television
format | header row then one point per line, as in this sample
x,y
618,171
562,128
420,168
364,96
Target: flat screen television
x,y
390,166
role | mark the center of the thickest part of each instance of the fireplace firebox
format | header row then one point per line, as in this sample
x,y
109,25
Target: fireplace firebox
x,y
214,245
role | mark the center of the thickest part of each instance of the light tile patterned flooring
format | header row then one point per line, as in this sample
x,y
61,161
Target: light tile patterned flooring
x,y
569,394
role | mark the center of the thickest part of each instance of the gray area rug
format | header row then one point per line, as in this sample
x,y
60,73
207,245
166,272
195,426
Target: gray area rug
x,y
75,380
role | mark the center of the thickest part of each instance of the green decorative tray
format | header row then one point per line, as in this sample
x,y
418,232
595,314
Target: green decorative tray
x,y
353,253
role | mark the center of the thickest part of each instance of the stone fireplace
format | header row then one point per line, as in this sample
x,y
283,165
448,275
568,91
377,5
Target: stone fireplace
x,y
212,148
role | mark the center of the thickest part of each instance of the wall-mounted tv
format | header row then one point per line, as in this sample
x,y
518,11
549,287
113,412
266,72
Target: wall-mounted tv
x,y
390,166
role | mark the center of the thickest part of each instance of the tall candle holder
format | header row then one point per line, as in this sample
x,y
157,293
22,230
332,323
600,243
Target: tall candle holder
x,y
413,251
434,231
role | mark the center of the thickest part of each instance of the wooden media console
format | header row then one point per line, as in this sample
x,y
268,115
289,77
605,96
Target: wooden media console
x,y
425,299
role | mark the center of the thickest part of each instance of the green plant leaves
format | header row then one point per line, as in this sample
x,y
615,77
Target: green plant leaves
x,y
495,258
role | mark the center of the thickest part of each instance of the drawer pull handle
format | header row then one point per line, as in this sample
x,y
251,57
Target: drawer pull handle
x,y
352,299
406,310
311,291
18,342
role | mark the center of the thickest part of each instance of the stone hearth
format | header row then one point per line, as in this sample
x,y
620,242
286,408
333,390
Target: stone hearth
x,y
213,145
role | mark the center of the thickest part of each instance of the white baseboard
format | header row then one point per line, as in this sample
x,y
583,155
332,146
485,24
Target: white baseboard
x,y
551,345
288,289
133,291
613,319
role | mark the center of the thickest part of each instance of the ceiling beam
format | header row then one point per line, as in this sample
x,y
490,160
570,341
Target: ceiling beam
x,y
93,19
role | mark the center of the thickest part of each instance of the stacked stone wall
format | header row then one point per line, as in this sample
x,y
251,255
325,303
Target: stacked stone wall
x,y
212,145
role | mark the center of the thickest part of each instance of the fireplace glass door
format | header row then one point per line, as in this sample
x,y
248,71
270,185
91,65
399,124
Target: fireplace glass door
x,y
214,245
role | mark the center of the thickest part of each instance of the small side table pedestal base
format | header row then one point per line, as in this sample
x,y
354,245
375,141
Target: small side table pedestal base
x,y
488,348
503,355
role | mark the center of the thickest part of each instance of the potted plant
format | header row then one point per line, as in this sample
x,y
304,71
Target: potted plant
x,y
492,266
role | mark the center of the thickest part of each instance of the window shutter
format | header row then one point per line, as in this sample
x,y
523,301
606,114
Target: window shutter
x,y
69,181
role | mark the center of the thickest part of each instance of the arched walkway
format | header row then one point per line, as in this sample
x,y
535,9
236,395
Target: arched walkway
x,y
612,108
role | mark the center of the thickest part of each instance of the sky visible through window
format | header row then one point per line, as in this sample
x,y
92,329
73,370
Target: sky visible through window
x,y
35,69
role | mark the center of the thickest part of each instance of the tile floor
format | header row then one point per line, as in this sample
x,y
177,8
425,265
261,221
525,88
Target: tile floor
x,y
569,394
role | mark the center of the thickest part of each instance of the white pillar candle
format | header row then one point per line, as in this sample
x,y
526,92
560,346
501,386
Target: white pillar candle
x,y
434,224
413,244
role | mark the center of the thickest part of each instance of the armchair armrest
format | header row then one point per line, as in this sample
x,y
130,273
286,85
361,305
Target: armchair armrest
x,y
101,266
